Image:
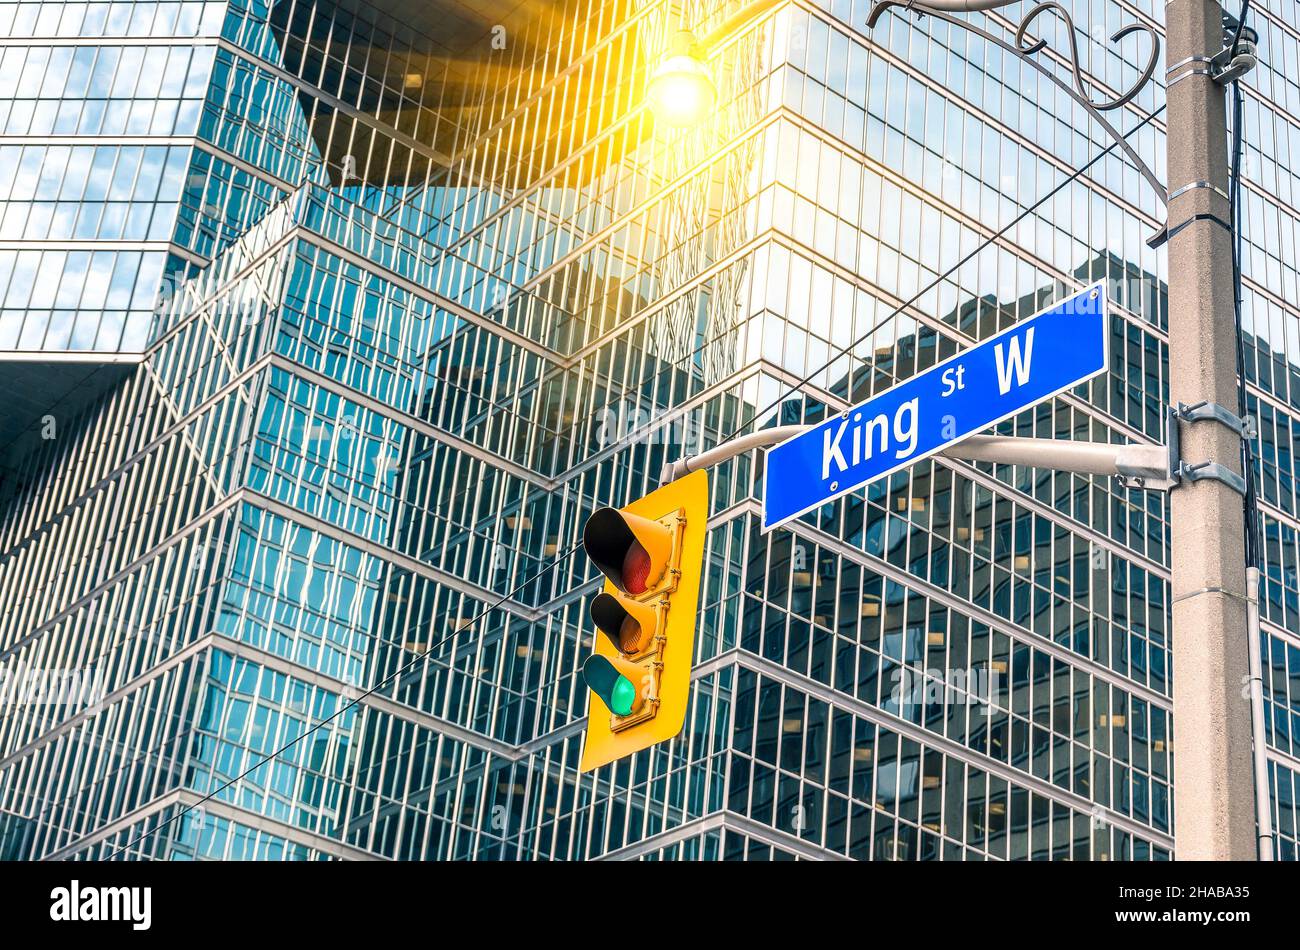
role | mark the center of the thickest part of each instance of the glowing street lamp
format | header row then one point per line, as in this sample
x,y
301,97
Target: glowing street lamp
x,y
681,91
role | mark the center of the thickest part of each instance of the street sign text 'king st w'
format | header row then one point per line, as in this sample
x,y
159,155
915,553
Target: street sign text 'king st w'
x,y
1036,359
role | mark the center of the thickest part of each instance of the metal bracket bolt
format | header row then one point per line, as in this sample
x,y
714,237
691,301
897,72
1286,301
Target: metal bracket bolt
x,y
1213,412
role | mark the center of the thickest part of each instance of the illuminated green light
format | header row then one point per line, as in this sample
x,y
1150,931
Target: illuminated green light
x,y
623,697
614,689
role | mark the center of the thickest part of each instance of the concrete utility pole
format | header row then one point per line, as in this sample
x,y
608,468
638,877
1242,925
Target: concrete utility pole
x,y
1214,808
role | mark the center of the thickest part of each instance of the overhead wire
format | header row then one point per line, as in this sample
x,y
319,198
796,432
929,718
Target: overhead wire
x,y
794,388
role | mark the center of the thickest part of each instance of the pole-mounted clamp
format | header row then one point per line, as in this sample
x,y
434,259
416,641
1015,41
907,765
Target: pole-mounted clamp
x,y
1196,471
1216,471
1213,412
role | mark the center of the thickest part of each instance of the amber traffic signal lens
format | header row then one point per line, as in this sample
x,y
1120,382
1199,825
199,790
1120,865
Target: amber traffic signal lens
x,y
630,625
629,635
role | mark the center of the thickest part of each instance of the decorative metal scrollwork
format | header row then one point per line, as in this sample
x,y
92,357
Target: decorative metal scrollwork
x,y
1060,11
1025,47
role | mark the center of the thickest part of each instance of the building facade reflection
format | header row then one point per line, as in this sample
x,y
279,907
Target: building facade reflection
x,y
468,292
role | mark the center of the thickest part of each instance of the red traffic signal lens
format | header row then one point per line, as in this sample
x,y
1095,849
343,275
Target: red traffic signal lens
x,y
633,552
636,569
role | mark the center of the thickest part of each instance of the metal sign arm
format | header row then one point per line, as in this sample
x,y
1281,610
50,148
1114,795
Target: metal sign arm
x,y
762,439
1146,465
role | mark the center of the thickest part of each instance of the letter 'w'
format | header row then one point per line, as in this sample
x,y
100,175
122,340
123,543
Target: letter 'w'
x,y
1015,363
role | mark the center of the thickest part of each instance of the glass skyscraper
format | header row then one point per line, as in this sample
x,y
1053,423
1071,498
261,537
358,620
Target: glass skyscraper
x,y
325,324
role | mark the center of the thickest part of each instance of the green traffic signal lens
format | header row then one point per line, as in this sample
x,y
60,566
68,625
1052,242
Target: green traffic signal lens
x,y
614,689
622,697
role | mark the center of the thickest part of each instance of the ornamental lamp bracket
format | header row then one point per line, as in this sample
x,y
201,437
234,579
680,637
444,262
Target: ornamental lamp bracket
x,y
1025,46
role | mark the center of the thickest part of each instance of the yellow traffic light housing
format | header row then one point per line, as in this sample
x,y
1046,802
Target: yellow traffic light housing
x,y
651,553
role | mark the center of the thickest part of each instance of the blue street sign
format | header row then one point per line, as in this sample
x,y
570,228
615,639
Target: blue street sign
x,y
1038,358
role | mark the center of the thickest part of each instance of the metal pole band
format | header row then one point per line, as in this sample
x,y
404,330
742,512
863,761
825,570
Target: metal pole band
x,y
1193,185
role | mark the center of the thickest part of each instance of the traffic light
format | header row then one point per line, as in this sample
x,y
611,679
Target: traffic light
x,y
651,554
